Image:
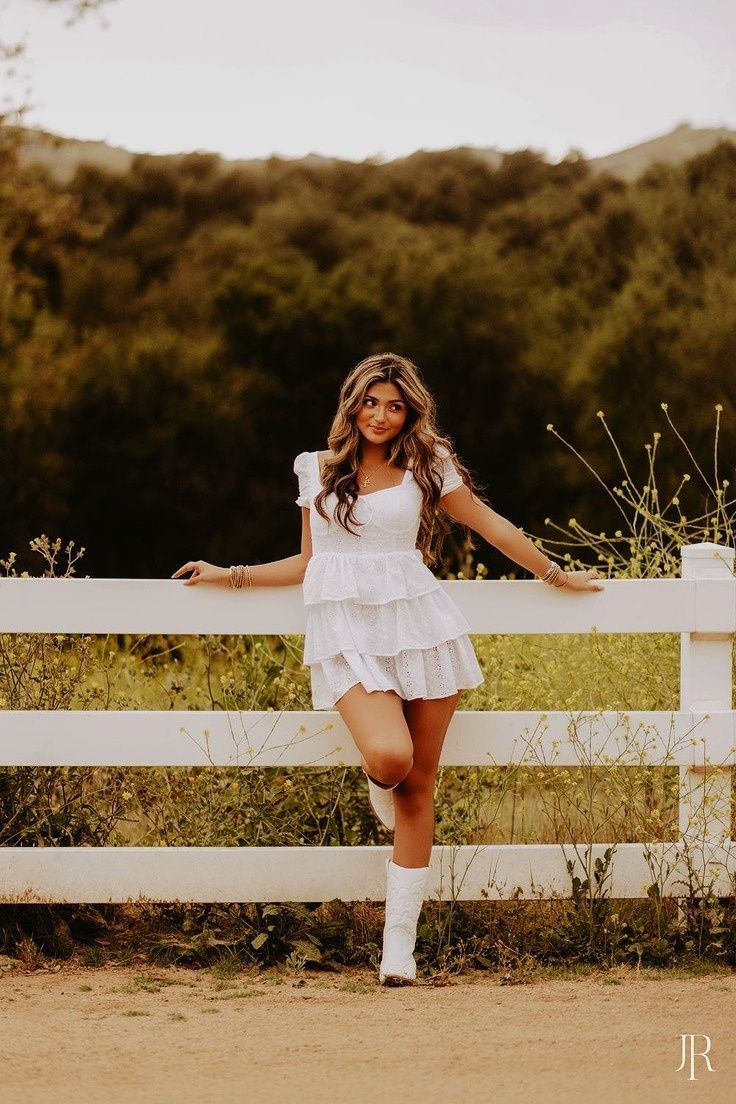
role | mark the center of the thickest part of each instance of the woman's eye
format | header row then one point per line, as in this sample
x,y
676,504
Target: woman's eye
x,y
395,407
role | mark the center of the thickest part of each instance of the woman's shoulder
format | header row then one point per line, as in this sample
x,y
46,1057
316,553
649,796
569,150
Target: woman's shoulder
x,y
303,465
315,452
321,457
304,460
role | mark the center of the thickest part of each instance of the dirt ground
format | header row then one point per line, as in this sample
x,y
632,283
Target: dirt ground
x,y
137,1034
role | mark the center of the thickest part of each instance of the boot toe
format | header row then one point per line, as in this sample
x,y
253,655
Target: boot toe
x,y
398,972
396,976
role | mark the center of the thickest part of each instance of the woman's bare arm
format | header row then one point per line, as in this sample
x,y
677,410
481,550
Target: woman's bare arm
x,y
286,572
507,537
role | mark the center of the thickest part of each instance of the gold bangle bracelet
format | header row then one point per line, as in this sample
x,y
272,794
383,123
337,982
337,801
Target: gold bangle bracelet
x,y
238,576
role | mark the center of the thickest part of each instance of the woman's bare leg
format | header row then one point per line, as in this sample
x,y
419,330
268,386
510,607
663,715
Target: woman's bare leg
x,y
377,724
428,720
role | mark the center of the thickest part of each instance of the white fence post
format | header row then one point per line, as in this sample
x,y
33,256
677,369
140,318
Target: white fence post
x,y
706,687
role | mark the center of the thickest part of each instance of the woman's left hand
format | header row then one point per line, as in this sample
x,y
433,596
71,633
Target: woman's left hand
x,y
581,580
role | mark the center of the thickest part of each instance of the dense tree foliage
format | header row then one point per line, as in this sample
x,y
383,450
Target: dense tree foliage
x,y
171,338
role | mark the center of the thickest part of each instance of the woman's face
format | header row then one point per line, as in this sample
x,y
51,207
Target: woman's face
x,y
382,413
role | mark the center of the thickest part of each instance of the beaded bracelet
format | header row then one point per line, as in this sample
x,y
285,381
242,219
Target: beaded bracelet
x,y
237,576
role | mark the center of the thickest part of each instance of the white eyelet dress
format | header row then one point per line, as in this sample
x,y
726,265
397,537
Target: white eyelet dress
x,y
375,613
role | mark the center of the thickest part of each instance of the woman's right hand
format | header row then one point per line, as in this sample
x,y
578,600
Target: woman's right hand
x,y
202,572
581,580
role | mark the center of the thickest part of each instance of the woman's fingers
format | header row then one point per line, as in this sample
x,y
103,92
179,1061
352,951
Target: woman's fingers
x,y
185,567
584,580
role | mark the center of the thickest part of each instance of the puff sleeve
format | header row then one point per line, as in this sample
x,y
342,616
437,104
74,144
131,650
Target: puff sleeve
x,y
451,478
301,470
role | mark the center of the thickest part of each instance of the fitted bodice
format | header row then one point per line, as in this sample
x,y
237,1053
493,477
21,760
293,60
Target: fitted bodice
x,y
386,520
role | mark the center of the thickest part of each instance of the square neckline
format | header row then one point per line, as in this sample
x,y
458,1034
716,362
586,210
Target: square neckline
x,y
381,490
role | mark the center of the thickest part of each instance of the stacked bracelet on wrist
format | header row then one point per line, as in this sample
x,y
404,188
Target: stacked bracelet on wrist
x,y
237,575
551,574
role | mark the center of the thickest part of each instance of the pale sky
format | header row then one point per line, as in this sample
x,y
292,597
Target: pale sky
x,y
377,78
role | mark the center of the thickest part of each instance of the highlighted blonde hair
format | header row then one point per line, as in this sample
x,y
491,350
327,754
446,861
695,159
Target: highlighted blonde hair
x,y
418,445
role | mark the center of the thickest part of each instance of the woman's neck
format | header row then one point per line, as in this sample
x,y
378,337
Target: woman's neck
x,y
371,455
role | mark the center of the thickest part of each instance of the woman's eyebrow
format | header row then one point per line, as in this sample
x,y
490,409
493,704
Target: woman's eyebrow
x,y
388,400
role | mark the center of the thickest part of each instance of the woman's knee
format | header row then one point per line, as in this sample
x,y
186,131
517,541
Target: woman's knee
x,y
419,785
390,764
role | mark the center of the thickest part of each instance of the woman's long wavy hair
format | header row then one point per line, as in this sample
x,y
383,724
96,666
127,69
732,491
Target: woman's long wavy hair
x,y
415,445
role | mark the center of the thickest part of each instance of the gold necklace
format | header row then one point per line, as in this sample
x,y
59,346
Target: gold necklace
x,y
367,478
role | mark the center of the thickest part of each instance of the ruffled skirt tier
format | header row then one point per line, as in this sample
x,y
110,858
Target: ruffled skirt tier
x,y
412,673
368,578
385,621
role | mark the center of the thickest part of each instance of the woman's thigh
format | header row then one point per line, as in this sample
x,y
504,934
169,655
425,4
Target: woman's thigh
x,y
377,724
428,720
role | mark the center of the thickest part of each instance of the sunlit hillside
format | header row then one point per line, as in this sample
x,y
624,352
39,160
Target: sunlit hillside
x,y
62,155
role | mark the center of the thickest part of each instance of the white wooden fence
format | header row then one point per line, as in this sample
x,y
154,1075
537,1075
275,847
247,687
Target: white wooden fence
x,y
699,738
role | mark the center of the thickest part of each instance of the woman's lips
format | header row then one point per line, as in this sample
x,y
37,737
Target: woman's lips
x,y
377,430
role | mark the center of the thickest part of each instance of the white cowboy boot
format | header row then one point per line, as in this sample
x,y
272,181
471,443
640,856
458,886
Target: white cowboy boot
x,y
382,801
405,889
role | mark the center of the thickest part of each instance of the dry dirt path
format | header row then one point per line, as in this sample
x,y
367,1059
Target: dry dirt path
x,y
116,1035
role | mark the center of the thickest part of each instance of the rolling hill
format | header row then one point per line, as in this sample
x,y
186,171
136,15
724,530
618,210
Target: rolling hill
x,y
61,156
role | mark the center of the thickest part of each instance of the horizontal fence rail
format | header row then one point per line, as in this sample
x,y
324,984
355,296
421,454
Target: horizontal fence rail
x,y
285,738
699,739
490,606
32,875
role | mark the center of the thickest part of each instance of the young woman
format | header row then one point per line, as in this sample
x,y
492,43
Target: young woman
x,y
386,645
